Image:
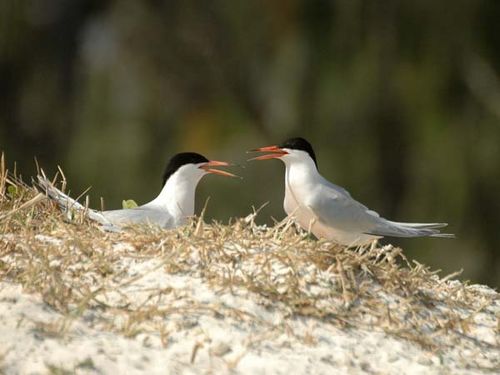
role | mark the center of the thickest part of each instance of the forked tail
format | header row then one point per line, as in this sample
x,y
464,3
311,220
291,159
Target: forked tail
x,y
397,229
66,203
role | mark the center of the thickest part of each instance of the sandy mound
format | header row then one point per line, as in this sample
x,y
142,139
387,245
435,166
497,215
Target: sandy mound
x,y
237,298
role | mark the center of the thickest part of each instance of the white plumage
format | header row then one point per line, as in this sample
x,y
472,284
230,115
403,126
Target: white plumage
x,y
171,208
328,210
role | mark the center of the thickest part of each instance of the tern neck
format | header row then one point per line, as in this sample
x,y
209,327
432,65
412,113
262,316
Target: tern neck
x,y
300,175
177,195
304,167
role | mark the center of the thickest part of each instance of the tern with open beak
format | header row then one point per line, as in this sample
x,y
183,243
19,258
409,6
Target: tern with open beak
x,y
327,210
170,209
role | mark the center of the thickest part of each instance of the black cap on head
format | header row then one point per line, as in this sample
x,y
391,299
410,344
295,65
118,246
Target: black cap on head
x,y
181,159
300,144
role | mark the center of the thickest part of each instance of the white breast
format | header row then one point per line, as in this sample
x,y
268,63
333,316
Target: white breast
x,y
300,186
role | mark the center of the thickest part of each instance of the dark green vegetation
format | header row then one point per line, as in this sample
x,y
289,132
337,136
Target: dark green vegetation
x,y
400,99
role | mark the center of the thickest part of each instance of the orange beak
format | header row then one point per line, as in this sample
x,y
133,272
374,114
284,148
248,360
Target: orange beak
x,y
275,153
215,163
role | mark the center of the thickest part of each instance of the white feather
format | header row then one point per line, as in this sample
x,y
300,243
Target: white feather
x,y
329,211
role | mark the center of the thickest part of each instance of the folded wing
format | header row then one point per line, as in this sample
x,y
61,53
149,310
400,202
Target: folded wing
x,y
335,207
113,219
140,215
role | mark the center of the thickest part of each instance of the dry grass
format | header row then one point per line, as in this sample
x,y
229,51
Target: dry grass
x,y
73,264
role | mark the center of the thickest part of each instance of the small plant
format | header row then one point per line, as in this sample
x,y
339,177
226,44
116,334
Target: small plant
x,y
129,203
12,191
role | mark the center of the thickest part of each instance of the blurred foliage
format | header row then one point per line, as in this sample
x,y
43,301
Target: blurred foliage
x,y
400,99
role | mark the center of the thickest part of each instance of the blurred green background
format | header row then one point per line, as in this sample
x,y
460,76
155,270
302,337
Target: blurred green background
x,y
400,99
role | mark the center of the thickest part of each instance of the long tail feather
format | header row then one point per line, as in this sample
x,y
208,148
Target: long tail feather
x,y
66,203
395,229
421,225
443,235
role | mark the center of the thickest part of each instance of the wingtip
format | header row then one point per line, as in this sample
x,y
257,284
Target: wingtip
x,y
444,235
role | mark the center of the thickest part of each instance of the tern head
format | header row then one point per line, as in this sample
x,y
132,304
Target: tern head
x,y
193,166
293,149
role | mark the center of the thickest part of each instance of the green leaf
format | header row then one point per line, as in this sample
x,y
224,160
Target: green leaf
x,y
130,203
12,191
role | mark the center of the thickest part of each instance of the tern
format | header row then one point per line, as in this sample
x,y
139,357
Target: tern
x,y
171,208
327,210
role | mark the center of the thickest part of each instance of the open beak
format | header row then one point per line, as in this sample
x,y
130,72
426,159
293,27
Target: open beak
x,y
275,153
214,163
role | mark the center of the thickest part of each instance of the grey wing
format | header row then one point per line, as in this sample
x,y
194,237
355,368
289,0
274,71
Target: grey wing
x,y
334,206
140,215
